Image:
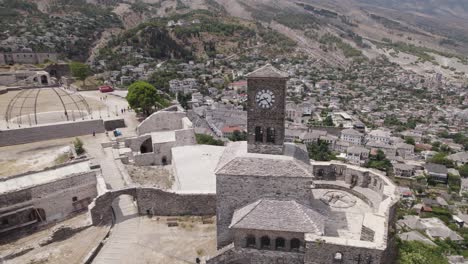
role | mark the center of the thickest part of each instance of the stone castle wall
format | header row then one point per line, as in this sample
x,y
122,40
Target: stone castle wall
x,y
134,143
250,256
56,199
112,124
46,132
155,202
336,172
26,57
161,121
234,192
318,252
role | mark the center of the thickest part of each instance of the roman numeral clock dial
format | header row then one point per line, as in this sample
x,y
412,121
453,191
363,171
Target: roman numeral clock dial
x,y
265,99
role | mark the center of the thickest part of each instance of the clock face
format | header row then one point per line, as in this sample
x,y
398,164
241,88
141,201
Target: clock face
x,y
265,99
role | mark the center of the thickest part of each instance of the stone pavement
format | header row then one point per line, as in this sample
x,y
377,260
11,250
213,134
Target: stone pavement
x,y
123,235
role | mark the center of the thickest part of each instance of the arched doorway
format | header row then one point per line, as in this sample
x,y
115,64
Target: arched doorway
x,y
44,79
146,146
124,207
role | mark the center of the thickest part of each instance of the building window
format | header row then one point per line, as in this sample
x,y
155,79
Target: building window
x,y
271,135
320,172
250,243
265,242
5,221
258,134
74,199
280,243
295,244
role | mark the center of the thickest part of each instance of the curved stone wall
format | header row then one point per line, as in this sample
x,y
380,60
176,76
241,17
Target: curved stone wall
x,y
155,202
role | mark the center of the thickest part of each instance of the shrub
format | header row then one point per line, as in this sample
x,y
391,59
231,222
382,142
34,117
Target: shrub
x,y
78,144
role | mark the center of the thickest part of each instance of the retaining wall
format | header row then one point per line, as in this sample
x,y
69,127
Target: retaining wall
x,y
46,132
155,202
114,123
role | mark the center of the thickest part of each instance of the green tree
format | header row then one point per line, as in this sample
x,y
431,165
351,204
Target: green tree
x,y
379,161
410,140
205,139
436,145
328,122
463,171
415,252
184,99
144,97
161,79
238,136
441,158
80,71
454,183
320,151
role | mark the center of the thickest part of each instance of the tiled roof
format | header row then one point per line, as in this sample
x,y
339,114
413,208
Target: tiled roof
x,y
278,215
267,71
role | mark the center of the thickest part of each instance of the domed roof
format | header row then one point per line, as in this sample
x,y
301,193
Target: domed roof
x,y
38,106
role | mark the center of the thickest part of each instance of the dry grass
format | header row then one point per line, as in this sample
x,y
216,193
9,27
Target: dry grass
x,y
62,158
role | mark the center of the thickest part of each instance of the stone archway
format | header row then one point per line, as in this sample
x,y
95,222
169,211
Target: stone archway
x,y
44,80
146,146
124,207
103,209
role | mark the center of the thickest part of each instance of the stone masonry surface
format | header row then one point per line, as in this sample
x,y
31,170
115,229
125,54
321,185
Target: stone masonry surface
x,y
46,132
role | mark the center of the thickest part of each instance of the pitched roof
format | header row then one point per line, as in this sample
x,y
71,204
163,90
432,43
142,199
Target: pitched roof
x,y
460,156
278,215
416,236
436,168
380,133
267,71
350,131
357,150
268,167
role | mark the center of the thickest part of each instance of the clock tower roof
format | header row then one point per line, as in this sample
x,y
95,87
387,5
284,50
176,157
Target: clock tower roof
x,y
268,71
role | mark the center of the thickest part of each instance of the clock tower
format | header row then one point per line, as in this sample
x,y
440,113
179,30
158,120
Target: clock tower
x,y
266,92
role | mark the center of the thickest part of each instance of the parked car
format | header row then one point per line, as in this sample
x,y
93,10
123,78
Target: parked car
x,y
106,89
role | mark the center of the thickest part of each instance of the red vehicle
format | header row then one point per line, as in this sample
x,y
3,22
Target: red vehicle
x,y
106,89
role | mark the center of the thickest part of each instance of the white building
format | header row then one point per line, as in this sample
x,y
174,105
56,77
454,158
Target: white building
x,y
352,136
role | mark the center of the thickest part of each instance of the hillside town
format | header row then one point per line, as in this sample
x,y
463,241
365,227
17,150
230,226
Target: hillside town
x,y
198,138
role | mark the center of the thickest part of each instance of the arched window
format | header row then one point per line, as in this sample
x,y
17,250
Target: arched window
x,y
164,160
271,135
338,257
258,134
265,242
295,244
280,243
250,242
